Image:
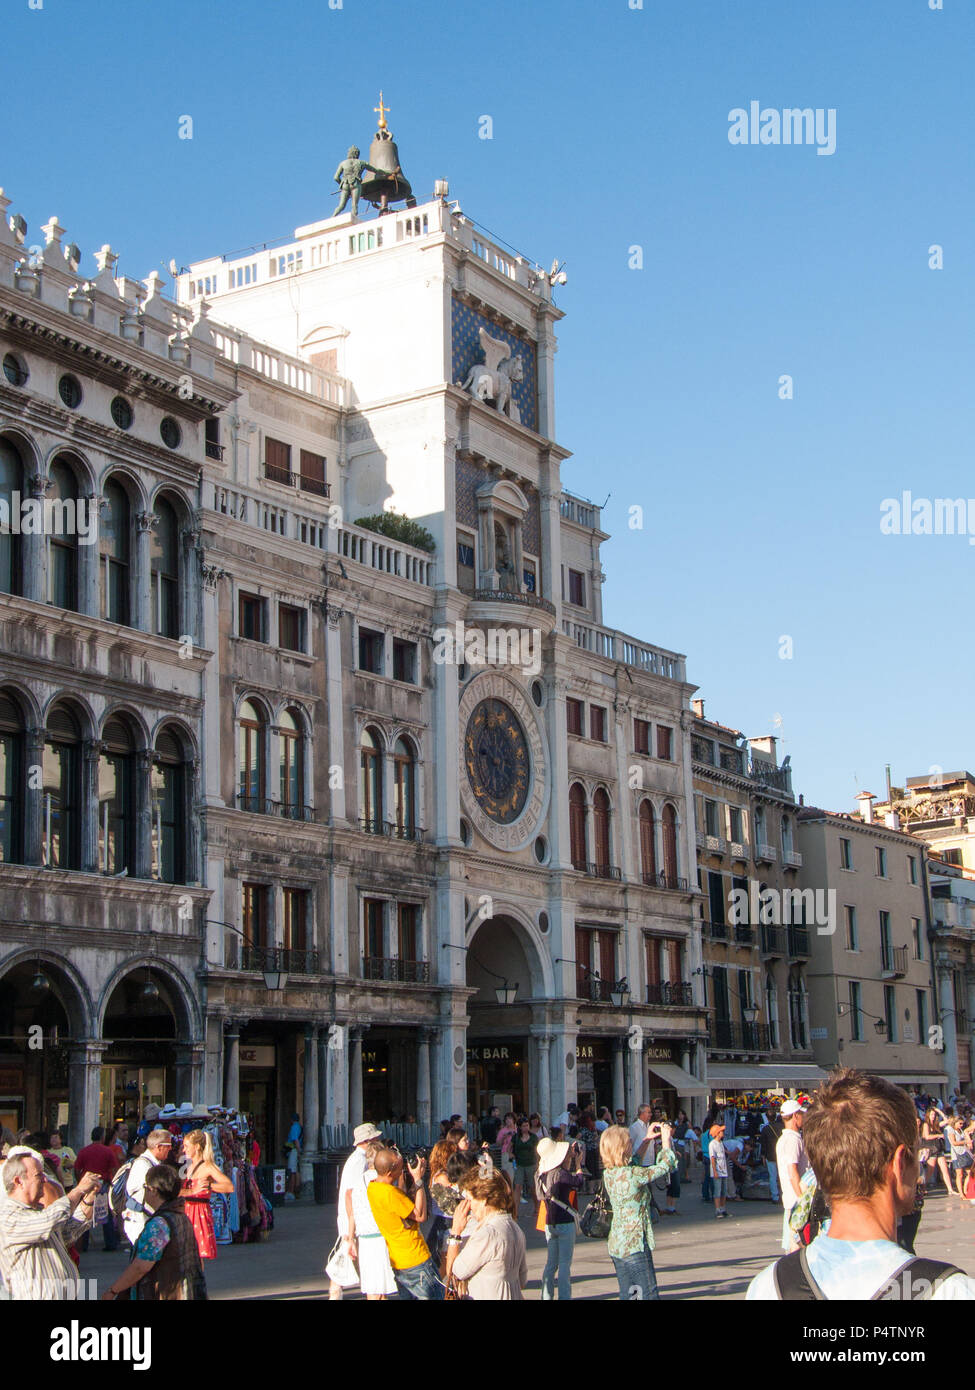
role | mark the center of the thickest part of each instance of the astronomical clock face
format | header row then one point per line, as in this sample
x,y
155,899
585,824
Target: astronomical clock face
x,y
504,787
496,756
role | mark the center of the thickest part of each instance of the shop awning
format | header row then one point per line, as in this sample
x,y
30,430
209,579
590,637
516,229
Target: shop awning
x,y
916,1078
682,1081
767,1076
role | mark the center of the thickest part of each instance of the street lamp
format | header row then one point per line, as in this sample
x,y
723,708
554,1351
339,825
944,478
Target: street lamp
x,y
619,990
504,993
879,1023
274,977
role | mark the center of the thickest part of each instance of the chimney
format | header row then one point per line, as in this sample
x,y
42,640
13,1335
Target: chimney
x,y
802,799
893,820
865,806
698,707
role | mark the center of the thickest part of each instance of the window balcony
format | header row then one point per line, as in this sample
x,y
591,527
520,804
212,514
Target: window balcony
x,y
717,931
213,450
739,851
744,934
264,806
711,844
725,1036
671,994
279,475
271,958
799,944
894,963
792,859
603,871
392,830
402,972
765,854
678,885
773,941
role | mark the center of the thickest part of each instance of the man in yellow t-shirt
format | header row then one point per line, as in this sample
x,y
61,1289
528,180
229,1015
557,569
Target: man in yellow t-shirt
x,y
399,1218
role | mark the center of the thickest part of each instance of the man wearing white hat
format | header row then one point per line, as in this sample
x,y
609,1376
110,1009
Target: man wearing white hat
x,y
353,1172
790,1158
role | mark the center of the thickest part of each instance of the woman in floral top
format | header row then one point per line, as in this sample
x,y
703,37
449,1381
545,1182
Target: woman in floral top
x,y
628,1187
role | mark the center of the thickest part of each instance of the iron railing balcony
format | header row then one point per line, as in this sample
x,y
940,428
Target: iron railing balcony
x,y
744,934
717,931
391,829
773,941
671,994
402,972
738,1037
527,600
596,990
799,943
894,962
213,450
314,485
603,871
285,958
665,881
266,806
279,475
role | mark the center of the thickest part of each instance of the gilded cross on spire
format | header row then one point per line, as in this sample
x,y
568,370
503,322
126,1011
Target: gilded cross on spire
x,y
382,112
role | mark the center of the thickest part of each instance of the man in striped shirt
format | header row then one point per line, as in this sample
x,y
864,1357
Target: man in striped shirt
x,y
34,1261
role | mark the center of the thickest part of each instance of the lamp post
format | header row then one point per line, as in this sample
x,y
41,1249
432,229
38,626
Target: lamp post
x,y
504,993
619,990
274,977
880,1024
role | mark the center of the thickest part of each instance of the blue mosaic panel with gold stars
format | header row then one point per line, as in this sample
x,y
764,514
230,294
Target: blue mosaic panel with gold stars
x,y
466,349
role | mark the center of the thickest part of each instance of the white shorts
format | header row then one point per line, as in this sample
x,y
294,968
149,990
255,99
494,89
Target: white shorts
x,y
375,1271
790,1241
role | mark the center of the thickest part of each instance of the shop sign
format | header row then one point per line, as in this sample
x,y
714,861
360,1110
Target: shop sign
x,y
257,1056
592,1051
658,1052
494,1052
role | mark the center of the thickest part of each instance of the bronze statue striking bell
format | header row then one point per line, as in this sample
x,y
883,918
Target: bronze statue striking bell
x,y
389,186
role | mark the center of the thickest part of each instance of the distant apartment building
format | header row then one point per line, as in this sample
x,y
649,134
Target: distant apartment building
x,y
952,901
939,809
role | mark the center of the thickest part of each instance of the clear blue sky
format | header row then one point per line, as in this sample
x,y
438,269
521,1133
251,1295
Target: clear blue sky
x,y
610,130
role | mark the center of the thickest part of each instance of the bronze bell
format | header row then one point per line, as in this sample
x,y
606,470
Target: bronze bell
x,y
388,186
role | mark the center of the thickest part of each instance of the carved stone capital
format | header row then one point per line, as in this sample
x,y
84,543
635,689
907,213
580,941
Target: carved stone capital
x,y
146,521
40,483
211,575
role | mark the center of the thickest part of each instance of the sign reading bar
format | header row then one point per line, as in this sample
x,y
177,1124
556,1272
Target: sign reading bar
x,y
494,1052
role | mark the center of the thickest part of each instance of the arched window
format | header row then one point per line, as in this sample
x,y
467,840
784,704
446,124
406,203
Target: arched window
x,y
600,825
292,766
11,487
648,849
11,782
371,783
577,825
114,551
670,845
164,569
404,788
63,552
252,766
61,778
116,799
169,822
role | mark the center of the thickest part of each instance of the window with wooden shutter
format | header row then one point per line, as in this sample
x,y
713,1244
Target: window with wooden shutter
x,y
653,960
648,851
670,844
674,971
277,461
583,961
607,958
577,825
313,473
600,819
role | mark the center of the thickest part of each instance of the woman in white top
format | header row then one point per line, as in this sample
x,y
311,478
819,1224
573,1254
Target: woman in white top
x,y
368,1246
492,1261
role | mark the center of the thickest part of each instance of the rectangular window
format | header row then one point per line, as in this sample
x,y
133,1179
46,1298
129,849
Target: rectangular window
x,y
371,646
881,862
856,1017
846,854
918,938
597,723
952,856
922,1015
911,868
277,461
251,618
404,661
312,478
711,818
574,710
852,931
890,1013
737,825
254,918
577,588
296,921
722,1007
375,916
641,736
886,945
716,899
291,628
654,945
665,744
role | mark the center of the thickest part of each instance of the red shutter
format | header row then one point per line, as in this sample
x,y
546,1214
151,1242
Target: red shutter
x,y
600,816
670,842
653,961
648,853
577,825
607,957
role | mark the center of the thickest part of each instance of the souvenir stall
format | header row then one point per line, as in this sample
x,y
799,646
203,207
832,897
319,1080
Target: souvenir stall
x,y
242,1215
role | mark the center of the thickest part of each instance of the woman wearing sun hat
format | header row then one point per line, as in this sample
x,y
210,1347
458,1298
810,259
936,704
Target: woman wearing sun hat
x,y
556,1179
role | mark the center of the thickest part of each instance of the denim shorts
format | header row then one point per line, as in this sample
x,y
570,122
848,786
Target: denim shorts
x,y
526,1177
719,1187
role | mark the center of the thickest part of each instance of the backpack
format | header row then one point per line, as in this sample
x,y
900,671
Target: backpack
x,y
793,1279
117,1194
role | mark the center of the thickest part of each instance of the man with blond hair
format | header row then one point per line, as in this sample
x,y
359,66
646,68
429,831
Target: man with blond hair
x,y
861,1138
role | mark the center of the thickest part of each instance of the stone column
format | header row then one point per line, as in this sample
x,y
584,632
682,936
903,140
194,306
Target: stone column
x,y
946,1004
33,553
84,1086
338,1055
619,1075
436,1078
142,613
309,1117
90,753
231,1069
543,1084
336,710
34,806
636,1078
355,1076
423,1115
322,1045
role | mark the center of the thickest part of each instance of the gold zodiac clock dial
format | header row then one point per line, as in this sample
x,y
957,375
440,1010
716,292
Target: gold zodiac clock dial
x,y
497,760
